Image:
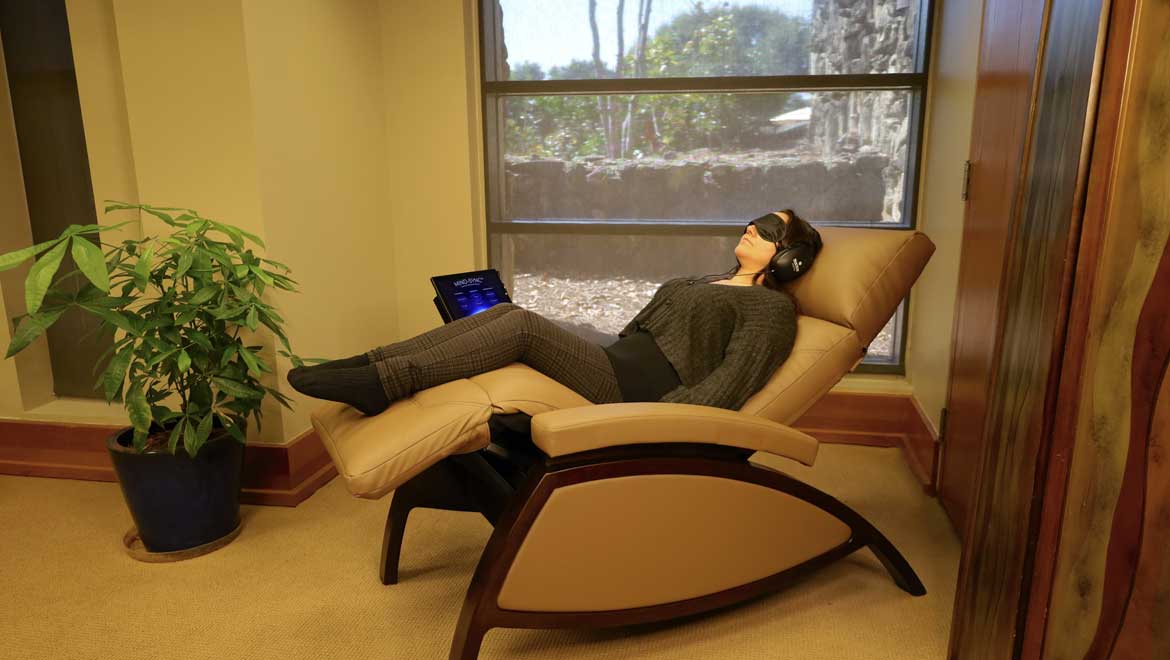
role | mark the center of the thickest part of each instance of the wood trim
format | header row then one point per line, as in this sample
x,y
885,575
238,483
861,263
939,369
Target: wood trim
x,y
1099,185
877,420
278,475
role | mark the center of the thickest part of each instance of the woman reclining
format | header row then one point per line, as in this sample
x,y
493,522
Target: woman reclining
x,y
713,340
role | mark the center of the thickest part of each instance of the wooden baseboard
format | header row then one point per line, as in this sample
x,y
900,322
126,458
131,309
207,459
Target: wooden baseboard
x,y
877,420
281,475
286,475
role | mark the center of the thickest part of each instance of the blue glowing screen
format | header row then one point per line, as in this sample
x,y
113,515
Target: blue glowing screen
x,y
465,294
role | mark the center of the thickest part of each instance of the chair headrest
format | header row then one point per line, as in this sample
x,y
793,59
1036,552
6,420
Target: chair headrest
x,y
861,275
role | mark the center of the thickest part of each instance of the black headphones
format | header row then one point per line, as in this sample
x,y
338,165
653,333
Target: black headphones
x,y
793,261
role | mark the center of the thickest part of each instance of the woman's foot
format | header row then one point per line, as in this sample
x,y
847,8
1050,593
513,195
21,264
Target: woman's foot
x,y
359,360
359,387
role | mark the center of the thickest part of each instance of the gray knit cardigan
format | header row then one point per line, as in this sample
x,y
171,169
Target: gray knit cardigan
x,y
724,341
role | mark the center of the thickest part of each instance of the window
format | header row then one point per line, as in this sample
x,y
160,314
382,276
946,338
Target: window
x,y
627,141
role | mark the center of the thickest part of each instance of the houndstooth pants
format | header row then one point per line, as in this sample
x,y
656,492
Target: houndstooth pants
x,y
491,339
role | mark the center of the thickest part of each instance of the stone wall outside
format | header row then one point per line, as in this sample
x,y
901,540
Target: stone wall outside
x,y
704,186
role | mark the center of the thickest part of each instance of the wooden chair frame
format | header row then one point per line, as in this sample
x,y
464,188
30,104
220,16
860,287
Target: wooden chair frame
x,y
509,484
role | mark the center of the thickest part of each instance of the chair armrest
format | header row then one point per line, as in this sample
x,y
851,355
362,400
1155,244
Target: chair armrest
x,y
573,430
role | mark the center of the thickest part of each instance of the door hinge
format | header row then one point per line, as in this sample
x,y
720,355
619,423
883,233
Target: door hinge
x,y
942,425
966,180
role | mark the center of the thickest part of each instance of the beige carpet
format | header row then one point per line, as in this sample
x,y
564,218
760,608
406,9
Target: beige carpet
x,y
303,583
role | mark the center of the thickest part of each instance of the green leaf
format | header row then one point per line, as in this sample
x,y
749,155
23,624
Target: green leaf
x,y
112,205
115,373
233,427
140,438
165,217
185,261
14,259
161,356
31,327
251,319
280,396
203,295
264,276
115,226
201,394
115,319
237,389
186,317
232,229
190,441
162,414
254,364
142,268
201,340
91,262
40,276
138,408
176,434
228,354
234,233
204,430
184,361
74,229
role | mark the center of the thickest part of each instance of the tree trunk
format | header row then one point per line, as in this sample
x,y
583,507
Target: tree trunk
x,y
604,106
639,71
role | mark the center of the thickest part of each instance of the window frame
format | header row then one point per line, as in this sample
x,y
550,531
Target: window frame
x,y
494,92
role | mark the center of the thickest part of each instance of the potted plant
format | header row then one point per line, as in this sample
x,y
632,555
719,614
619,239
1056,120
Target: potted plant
x,y
181,363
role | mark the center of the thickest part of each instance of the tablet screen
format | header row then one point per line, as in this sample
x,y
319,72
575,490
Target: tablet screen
x,y
464,294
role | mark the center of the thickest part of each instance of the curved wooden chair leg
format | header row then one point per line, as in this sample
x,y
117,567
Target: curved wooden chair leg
x,y
896,565
467,642
866,534
438,487
392,537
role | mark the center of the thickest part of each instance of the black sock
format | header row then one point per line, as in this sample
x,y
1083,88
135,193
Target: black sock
x,y
359,360
359,387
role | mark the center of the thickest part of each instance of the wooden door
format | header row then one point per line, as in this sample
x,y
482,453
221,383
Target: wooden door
x,y
1007,66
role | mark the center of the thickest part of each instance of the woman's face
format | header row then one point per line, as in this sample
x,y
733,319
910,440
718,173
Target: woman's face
x,y
753,250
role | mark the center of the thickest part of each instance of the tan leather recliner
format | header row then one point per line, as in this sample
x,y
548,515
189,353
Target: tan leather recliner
x,y
627,513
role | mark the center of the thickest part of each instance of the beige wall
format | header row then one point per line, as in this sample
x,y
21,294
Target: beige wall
x,y
315,70
308,122
101,90
432,134
948,131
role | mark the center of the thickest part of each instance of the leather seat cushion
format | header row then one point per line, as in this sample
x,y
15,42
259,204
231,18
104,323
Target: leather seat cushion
x,y
823,352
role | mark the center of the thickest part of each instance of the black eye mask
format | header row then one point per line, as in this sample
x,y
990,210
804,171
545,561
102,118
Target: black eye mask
x,y
789,262
770,228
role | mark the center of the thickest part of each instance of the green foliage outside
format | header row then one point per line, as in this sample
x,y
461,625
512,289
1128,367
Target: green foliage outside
x,y
177,305
727,41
